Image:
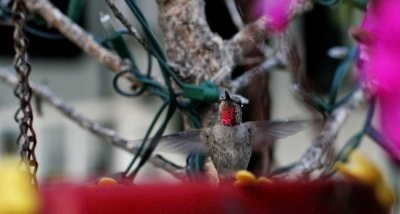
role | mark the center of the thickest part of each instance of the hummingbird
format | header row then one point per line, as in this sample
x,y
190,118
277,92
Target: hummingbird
x,y
230,142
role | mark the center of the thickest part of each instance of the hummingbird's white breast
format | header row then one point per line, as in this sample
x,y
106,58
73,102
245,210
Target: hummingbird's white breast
x,y
229,148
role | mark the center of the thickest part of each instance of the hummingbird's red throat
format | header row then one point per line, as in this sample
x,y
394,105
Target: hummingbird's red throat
x,y
228,117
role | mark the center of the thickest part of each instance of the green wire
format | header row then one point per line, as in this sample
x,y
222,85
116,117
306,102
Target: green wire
x,y
156,49
320,102
172,102
153,143
75,8
168,94
381,139
355,141
340,73
328,2
361,4
284,169
149,65
146,28
345,98
146,137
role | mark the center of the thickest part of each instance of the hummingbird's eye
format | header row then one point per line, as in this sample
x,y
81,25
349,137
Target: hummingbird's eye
x,y
239,102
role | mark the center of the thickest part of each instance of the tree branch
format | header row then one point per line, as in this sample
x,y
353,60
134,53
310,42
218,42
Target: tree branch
x,y
124,21
262,69
312,159
197,52
109,135
55,18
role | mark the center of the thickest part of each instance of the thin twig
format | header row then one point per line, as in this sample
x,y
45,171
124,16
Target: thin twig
x,y
55,18
124,21
243,80
109,135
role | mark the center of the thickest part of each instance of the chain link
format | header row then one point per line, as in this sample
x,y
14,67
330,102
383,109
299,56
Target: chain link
x,y
26,140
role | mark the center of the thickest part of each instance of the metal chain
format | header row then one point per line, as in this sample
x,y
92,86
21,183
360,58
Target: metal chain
x,y
26,140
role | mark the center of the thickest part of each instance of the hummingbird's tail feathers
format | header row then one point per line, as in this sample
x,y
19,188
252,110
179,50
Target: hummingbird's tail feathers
x,y
183,142
264,131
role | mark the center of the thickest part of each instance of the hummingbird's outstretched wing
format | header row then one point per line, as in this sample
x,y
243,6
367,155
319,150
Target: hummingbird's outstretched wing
x,y
275,129
181,142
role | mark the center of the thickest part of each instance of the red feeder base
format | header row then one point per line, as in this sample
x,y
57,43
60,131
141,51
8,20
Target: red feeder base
x,y
315,197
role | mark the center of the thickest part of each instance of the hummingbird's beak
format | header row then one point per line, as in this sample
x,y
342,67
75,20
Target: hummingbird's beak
x,y
227,97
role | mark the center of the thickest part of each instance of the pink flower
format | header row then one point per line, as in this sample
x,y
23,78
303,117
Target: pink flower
x,y
276,12
380,63
389,104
